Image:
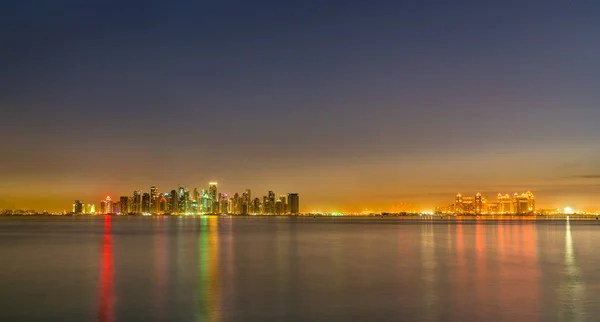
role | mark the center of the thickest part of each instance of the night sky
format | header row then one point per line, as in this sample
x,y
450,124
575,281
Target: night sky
x,y
352,104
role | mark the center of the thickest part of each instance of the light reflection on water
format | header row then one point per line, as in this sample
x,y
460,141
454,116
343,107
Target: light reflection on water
x,y
296,269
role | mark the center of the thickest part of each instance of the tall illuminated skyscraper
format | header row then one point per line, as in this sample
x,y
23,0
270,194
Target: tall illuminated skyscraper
x,y
78,207
146,203
163,204
174,199
137,202
256,206
106,206
124,205
271,202
293,203
248,202
154,199
182,206
283,205
212,192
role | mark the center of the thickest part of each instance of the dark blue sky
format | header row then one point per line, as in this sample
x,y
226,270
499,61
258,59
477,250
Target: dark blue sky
x,y
351,103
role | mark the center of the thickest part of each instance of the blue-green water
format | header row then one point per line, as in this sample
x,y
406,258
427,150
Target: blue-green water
x,y
296,269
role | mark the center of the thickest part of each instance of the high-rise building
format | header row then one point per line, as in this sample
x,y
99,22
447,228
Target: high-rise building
x,y
271,202
154,199
124,205
196,195
163,205
283,206
137,202
146,203
182,205
293,203
78,207
279,207
248,201
212,192
174,198
265,205
106,206
91,208
256,206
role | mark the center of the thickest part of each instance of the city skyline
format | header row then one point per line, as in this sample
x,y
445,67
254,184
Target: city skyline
x,y
358,105
192,201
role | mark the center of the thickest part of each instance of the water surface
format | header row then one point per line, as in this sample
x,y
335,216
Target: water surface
x,y
297,269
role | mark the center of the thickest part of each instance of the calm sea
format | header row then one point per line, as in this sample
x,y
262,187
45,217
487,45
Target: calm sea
x,y
297,269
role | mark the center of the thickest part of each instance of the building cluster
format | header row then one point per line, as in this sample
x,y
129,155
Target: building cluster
x,y
520,204
185,202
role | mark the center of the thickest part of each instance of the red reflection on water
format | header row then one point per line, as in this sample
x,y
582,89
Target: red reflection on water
x,y
107,295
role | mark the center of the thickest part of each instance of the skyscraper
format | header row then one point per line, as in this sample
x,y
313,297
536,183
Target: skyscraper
x,y
78,207
163,204
248,202
137,202
283,209
271,202
293,203
124,205
154,200
256,206
146,203
174,202
182,206
212,192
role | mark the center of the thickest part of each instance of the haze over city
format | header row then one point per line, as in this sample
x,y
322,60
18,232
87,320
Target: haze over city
x,y
354,105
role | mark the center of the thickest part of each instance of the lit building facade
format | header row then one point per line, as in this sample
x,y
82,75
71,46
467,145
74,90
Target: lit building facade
x,y
293,203
136,206
78,207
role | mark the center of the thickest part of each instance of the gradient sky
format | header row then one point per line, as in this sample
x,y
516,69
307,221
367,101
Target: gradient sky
x,y
352,104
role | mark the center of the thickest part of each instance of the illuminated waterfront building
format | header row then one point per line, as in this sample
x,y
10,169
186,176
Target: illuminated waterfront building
x,y
137,202
256,206
174,202
78,207
146,203
154,199
212,192
521,204
524,203
480,204
182,201
196,195
223,203
124,205
265,205
247,202
91,208
206,202
271,209
293,203
283,205
163,204
464,205
106,206
505,204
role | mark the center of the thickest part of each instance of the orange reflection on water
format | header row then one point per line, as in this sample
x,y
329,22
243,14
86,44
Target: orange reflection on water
x,y
107,295
480,262
209,285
